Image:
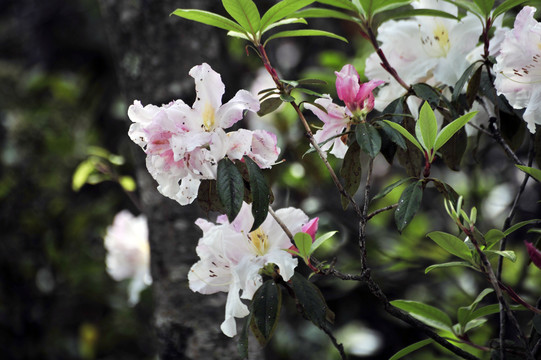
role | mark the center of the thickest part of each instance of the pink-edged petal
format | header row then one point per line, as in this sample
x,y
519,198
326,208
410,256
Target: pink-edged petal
x,y
311,227
534,253
233,111
264,150
238,143
347,83
209,88
365,91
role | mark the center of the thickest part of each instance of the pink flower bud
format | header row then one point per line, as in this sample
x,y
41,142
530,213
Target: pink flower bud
x,y
357,97
534,253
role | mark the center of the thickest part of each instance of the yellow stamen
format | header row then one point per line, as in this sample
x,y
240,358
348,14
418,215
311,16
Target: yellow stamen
x,y
259,241
208,117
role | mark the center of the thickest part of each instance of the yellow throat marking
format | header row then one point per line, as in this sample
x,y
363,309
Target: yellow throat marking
x,y
259,241
208,117
441,35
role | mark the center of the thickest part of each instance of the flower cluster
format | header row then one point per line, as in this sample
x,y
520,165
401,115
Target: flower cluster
x,y
518,67
232,256
128,253
184,144
359,101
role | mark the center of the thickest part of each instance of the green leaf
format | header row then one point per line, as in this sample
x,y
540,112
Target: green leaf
x,y
411,348
428,314
351,172
470,6
343,4
457,89
451,244
316,82
492,237
127,183
519,225
473,87
81,174
371,7
245,13
230,188
426,128
465,312
506,5
419,12
405,133
446,190
207,197
393,134
492,309
260,192
303,242
320,240
304,32
269,105
409,203
265,311
208,18
324,13
508,254
447,132
449,264
292,20
427,92
368,138
242,345
282,10
485,6
390,188
474,324
533,172
312,302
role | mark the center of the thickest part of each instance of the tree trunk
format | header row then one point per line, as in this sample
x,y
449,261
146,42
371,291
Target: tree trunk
x,y
153,54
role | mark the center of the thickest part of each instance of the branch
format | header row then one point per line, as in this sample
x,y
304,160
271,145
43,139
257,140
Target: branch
x,y
379,211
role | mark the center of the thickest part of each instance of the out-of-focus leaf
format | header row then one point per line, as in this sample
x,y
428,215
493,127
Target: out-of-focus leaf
x,y
449,264
485,6
473,87
343,4
260,192
127,183
428,314
265,311
230,187
269,105
508,254
81,174
370,7
351,172
410,348
492,309
409,203
506,5
451,244
447,191
368,138
208,18
457,89
324,13
519,225
390,188
513,129
533,172
245,13
492,237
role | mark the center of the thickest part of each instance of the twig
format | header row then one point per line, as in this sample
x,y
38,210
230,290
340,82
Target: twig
x,y
379,211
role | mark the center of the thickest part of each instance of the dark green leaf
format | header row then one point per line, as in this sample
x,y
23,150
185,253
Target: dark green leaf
x,y
449,264
269,105
245,13
411,348
454,148
412,158
242,345
409,203
451,244
312,302
427,92
287,98
207,197
426,313
390,188
519,225
309,92
208,18
351,172
492,237
230,188
405,133
513,129
394,108
282,10
260,192
537,323
316,82
446,190
394,135
265,310
506,5
457,90
419,12
368,138
473,87
492,309
305,32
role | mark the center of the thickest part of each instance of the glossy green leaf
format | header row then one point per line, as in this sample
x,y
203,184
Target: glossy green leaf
x,y
242,345
419,12
292,20
391,187
324,13
428,314
281,10
449,264
427,92
368,138
312,302
492,237
457,89
409,203
305,32
447,190
245,13
320,240
473,87
508,254
464,313
265,311
448,131
395,136
371,7
426,128
411,348
474,324
343,4
451,244
230,186
260,192
303,242
269,105
405,133
519,225
351,172
506,5
533,172
485,6
208,18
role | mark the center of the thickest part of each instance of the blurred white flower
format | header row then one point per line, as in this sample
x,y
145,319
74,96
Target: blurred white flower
x,y
128,252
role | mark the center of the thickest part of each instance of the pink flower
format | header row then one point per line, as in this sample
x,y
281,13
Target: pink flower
x,y
534,253
310,228
357,97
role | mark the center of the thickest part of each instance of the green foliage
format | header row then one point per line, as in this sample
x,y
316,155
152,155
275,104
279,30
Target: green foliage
x,y
351,172
265,311
259,189
368,138
408,205
230,188
411,348
304,32
428,314
313,305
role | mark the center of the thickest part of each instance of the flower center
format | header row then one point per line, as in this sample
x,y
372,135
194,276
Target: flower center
x,y
436,45
259,241
208,117
527,74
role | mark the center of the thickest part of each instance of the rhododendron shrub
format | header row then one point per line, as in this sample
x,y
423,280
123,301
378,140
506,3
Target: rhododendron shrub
x,y
433,61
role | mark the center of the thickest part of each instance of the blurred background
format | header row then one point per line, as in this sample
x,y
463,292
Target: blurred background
x,y
63,101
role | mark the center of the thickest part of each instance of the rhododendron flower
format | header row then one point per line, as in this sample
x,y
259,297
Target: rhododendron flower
x,y
231,257
128,253
518,67
357,97
424,49
184,144
534,253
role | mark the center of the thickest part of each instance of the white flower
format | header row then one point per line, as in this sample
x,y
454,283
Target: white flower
x,y
424,49
231,257
518,68
184,144
128,253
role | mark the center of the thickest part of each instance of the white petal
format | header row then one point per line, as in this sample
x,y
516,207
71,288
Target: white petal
x,y
234,308
263,148
232,111
187,193
284,260
209,88
239,143
209,276
532,115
